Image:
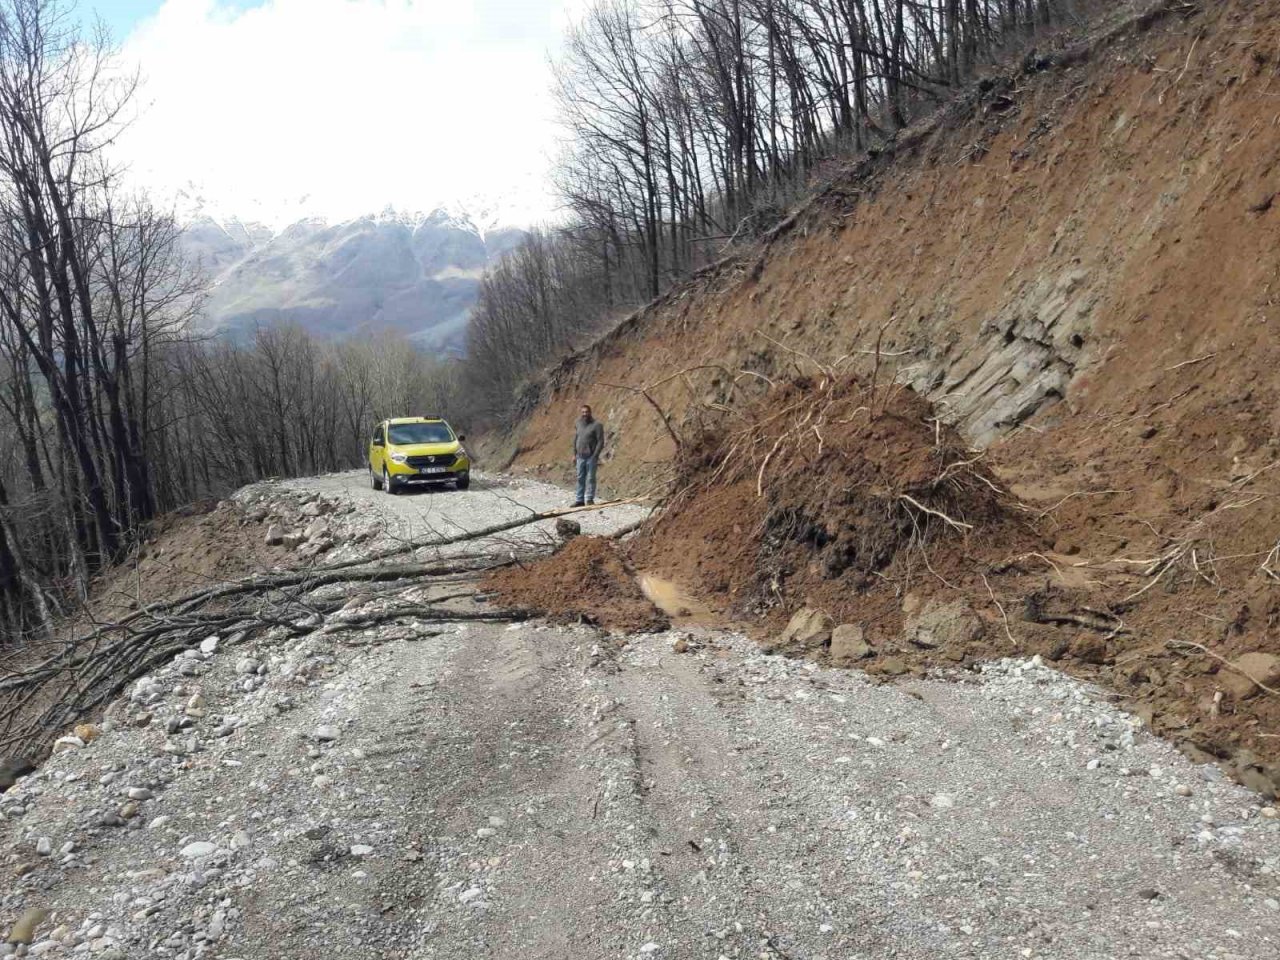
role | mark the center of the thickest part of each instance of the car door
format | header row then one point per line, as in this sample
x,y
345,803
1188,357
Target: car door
x,y
377,448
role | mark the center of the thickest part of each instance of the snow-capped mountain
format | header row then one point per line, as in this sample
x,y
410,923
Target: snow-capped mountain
x,y
414,273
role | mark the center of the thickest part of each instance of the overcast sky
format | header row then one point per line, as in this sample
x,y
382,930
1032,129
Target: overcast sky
x,y
353,105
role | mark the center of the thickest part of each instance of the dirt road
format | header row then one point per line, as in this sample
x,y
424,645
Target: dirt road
x,y
523,791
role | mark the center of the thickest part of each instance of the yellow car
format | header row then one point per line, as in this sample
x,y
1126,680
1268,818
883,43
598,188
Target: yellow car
x,y
417,450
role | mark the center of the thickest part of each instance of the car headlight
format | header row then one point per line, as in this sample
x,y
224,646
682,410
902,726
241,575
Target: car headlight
x,y
462,451
398,458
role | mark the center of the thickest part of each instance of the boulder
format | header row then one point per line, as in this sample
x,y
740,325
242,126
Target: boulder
x,y
932,625
567,529
275,536
1239,681
849,644
809,629
891,667
316,530
1089,648
23,932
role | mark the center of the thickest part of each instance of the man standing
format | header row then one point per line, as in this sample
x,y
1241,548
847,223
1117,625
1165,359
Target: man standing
x,y
588,441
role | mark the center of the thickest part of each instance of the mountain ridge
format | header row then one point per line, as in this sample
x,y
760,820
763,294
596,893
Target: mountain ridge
x,y
414,273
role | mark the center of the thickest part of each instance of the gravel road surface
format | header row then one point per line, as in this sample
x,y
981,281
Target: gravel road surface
x,y
454,791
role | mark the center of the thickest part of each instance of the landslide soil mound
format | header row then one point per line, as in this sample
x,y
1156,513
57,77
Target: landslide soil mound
x,y
587,579
859,508
831,494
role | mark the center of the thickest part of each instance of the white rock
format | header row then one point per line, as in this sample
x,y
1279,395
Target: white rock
x,y
139,793
209,645
942,802
473,893
650,947
201,848
157,823
361,850
44,846
484,833
248,666
327,733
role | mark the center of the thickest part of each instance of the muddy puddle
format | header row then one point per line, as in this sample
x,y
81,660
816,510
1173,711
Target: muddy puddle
x,y
672,600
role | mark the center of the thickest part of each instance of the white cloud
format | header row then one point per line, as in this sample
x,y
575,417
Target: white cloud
x,y
353,104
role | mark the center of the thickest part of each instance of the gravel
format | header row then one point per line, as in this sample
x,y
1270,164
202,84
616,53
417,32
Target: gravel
x,y
527,791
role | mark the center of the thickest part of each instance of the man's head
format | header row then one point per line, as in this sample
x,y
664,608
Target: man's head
x,y
585,413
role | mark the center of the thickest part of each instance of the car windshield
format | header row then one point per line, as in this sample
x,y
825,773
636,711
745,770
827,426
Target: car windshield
x,y
403,433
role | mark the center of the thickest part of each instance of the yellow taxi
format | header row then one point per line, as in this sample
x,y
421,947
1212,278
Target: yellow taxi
x,y
408,451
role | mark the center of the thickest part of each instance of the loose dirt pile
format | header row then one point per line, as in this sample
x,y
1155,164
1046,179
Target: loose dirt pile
x,y
853,526
829,493
586,580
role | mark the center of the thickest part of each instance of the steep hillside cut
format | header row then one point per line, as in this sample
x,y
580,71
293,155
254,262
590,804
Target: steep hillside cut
x,y
1076,265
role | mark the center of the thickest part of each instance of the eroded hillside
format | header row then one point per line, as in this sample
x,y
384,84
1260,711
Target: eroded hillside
x,y
1076,264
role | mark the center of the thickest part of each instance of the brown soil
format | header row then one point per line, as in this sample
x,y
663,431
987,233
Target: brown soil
x,y
875,514
822,495
585,581
1107,228
184,551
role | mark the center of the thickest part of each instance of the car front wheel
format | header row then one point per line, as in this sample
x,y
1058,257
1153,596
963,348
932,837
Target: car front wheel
x,y
463,481
387,483
373,479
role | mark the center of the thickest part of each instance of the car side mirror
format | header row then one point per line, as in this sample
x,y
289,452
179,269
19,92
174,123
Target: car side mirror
x,y
379,442
462,437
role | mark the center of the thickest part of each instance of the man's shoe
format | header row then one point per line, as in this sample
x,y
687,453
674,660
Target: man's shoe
x,y
577,503
591,503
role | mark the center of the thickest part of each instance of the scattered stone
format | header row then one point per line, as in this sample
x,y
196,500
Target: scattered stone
x,y
327,733
248,666
199,850
139,793
808,629
1089,648
470,894
1149,894
1182,790
209,645
891,667
87,732
24,931
44,846
849,644
567,529
952,624
67,743
361,850
275,536
1264,668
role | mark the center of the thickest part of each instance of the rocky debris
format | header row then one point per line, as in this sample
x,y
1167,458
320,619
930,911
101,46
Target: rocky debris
x,y
849,644
274,535
808,629
491,775
951,624
23,932
567,529
1246,672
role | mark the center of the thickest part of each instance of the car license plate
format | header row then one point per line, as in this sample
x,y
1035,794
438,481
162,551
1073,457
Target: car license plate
x,y
431,470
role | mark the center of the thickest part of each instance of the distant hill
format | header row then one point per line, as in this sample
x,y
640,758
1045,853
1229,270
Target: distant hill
x,y
413,273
